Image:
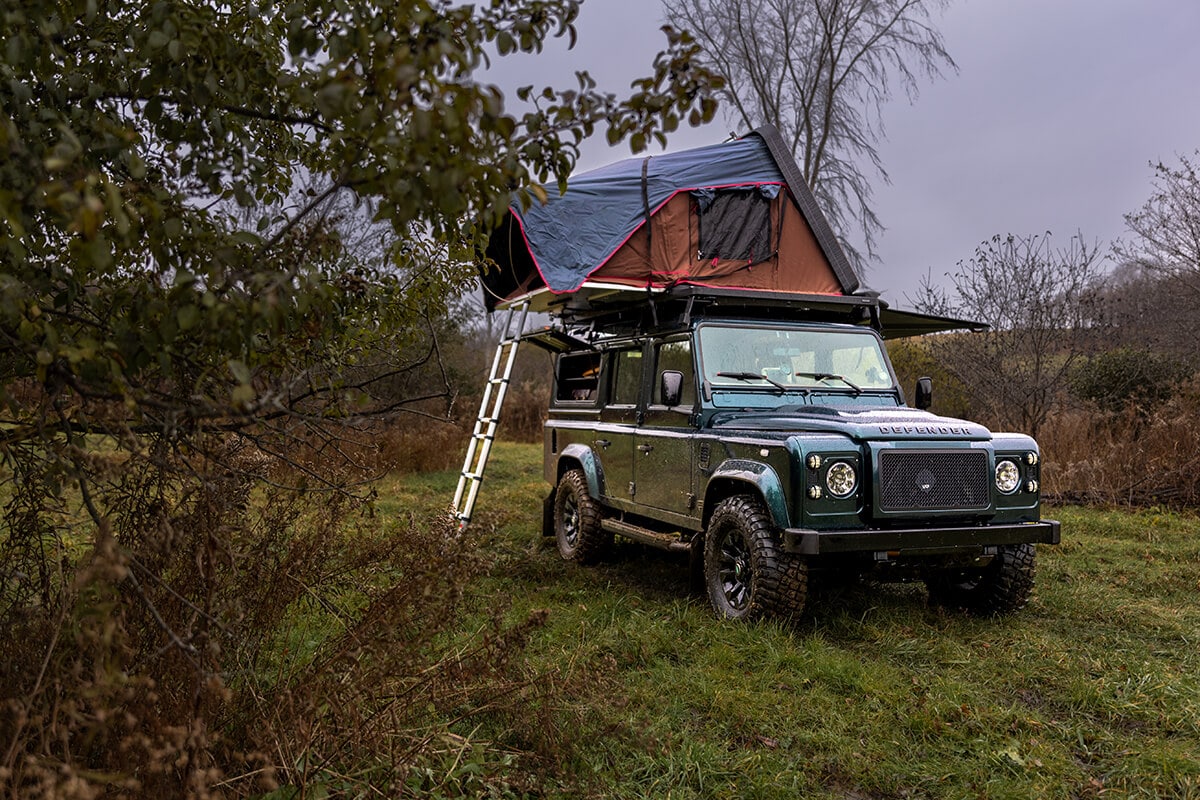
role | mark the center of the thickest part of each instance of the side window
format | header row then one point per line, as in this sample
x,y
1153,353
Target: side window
x,y
578,377
627,378
677,356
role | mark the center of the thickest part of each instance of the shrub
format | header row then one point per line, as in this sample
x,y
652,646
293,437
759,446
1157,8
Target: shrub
x,y
218,634
914,358
1117,378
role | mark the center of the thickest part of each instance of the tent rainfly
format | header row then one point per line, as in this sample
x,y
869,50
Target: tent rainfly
x,y
736,215
731,219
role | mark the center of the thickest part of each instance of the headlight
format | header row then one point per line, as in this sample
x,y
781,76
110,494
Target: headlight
x,y
1008,477
841,479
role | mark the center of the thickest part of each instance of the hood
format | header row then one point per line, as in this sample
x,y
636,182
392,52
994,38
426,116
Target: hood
x,y
859,424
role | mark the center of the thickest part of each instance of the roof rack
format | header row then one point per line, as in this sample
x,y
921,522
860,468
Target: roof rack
x,y
613,309
610,309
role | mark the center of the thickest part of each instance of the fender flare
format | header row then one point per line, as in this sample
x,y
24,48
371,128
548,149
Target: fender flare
x,y
588,462
762,478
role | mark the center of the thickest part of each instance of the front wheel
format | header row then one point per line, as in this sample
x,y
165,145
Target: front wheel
x,y
1003,586
577,518
746,573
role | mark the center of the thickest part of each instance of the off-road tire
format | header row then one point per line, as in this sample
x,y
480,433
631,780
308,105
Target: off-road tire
x,y
577,518
746,574
1003,586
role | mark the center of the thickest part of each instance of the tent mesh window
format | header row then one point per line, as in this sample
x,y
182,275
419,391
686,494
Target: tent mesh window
x,y
735,225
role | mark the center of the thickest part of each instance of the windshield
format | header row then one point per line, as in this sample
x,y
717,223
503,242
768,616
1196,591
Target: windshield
x,y
787,358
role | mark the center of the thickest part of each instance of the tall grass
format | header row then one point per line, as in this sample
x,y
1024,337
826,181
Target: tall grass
x,y
1137,456
1092,691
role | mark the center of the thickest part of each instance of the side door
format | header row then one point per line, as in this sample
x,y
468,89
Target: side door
x,y
664,449
619,417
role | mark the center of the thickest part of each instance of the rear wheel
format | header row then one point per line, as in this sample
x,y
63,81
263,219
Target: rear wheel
x,y
1003,586
577,518
746,573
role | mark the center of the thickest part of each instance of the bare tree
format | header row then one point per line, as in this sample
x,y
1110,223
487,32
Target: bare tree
x,y
1039,301
1167,228
820,71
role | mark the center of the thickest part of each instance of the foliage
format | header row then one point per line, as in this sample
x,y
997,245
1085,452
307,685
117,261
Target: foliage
x,y
1143,309
139,136
1166,229
820,72
1118,378
281,640
1039,301
914,358
228,233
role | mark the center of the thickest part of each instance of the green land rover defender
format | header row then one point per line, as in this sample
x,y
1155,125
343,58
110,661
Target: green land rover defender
x,y
773,442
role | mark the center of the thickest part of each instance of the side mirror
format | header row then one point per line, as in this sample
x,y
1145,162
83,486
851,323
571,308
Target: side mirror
x,y
670,387
924,398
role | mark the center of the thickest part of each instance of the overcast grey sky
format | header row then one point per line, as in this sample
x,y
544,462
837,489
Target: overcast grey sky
x,y
1050,124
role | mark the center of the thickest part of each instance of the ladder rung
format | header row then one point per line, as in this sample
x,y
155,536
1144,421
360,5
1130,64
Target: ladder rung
x,y
489,414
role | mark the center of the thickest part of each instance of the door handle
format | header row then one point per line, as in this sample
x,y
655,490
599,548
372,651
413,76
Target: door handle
x,y
602,443
645,448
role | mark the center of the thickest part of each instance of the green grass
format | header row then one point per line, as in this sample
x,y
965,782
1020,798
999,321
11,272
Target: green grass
x,y
1093,690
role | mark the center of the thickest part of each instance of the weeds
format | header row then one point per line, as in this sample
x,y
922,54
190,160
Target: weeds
x,y
1139,456
215,633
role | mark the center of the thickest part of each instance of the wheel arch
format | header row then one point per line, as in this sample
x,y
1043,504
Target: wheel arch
x,y
738,476
582,457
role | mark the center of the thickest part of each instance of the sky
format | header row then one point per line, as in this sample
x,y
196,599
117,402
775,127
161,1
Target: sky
x,y
1051,123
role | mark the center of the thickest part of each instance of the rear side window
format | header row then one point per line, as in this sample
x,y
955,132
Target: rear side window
x,y
627,382
578,377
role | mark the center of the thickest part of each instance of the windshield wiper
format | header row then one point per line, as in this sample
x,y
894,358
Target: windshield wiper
x,y
752,376
829,376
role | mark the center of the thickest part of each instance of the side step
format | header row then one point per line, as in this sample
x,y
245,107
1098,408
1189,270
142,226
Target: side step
x,y
663,541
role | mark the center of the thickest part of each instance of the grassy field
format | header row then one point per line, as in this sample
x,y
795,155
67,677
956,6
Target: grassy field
x,y
1092,691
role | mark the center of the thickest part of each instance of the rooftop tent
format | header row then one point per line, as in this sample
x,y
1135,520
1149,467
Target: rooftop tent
x,y
732,216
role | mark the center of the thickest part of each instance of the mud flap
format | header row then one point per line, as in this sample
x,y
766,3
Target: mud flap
x,y
548,513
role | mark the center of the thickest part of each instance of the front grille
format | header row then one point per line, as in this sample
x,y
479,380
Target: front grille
x,y
933,480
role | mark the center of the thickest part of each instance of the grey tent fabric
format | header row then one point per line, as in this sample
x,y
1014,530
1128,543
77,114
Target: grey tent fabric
x,y
610,201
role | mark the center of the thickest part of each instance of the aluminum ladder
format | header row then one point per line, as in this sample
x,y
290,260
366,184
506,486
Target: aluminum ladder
x,y
480,446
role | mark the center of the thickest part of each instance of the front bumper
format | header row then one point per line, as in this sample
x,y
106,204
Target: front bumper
x,y
919,541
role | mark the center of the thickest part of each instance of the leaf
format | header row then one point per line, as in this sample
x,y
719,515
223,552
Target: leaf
x,y
239,370
188,317
242,395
